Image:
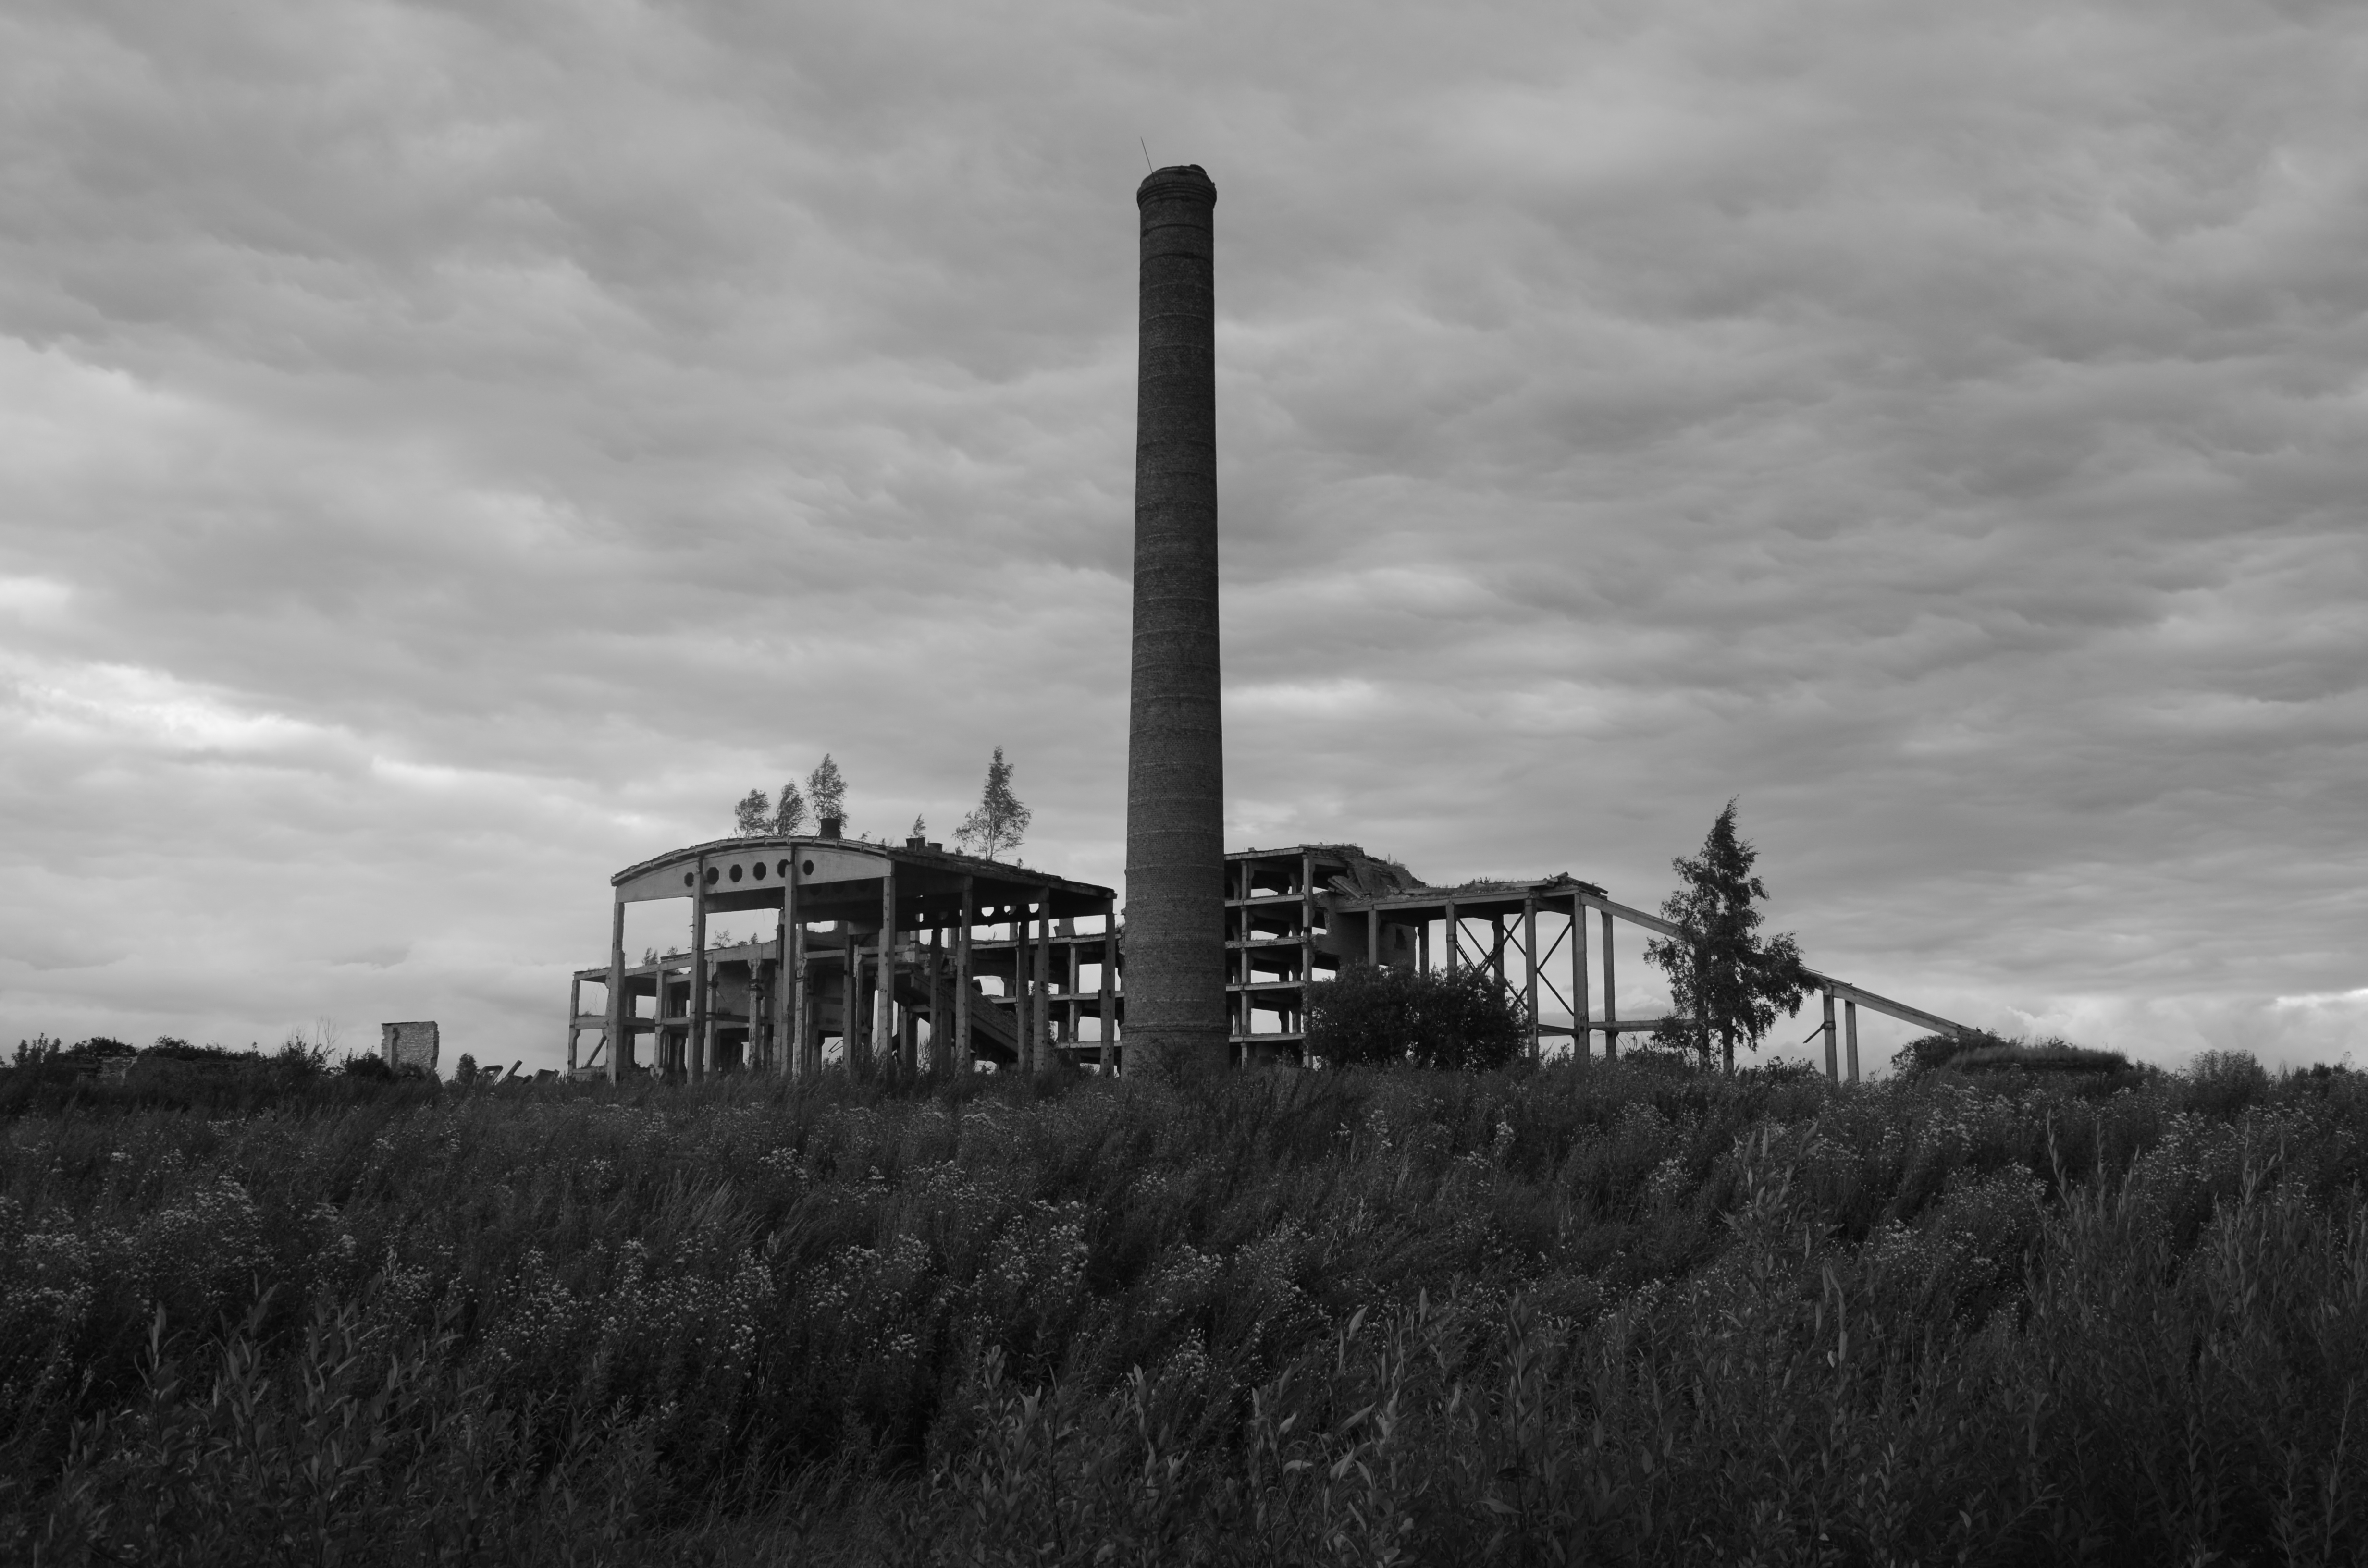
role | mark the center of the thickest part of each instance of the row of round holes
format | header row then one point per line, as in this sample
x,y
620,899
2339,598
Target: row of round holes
x,y
783,869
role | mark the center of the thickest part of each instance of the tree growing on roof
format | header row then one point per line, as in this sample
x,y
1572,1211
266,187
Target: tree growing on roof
x,y
758,815
1725,980
753,816
827,792
1000,821
790,814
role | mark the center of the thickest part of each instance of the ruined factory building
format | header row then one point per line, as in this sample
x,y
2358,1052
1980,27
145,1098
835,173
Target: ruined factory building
x,y
1006,964
878,945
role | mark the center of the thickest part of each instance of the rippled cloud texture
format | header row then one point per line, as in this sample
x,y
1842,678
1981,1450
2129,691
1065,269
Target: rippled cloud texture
x,y
448,453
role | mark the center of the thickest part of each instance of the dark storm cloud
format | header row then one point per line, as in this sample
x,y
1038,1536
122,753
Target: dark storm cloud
x,y
450,452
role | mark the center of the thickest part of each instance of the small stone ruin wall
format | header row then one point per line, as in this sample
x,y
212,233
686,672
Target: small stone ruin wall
x,y
409,1045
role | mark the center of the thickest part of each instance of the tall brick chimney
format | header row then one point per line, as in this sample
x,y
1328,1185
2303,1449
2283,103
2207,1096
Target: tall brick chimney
x,y
1176,757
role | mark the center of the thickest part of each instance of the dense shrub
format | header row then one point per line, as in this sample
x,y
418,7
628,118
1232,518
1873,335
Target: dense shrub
x,y
170,1048
1379,1015
1979,1051
2048,1056
108,1075
2225,1081
1629,1313
1927,1052
44,1057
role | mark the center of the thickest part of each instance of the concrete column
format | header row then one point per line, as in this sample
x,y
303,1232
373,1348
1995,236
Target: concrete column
x,y
1019,990
776,1059
1023,971
794,951
1306,945
941,1063
1611,995
1023,1037
694,1064
755,1053
620,1006
1175,773
783,998
1530,964
657,1062
961,1056
1849,1036
1238,959
1041,972
1240,1020
1109,985
1031,1055
1833,1065
850,1008
884,998
1064,981
706,1061
1579,1005
1454,941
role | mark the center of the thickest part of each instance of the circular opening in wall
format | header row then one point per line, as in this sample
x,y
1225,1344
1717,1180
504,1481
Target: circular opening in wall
x,y
807,868
686,878
758,870
711,876
736,873
782,870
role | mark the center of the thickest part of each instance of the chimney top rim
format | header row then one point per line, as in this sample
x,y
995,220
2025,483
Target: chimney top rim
x,y
1166,181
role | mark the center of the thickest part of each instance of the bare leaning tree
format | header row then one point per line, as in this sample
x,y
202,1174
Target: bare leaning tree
x,y
1000,821
1725,980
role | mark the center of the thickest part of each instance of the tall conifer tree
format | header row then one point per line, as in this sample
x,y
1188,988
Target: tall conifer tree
x,y
1725,980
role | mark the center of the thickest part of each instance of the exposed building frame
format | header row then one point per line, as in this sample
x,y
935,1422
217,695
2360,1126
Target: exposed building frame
x,y
858,961
1037,962
1299,915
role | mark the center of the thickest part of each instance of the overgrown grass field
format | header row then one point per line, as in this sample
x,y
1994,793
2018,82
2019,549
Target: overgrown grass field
x,y
1634,1315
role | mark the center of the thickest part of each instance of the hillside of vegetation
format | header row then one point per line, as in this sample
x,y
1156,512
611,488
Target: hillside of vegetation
x,y
1635,1314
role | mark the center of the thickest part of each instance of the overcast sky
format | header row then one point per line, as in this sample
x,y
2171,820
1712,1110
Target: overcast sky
x,y
451,451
